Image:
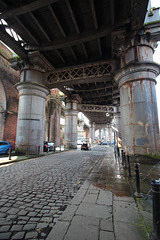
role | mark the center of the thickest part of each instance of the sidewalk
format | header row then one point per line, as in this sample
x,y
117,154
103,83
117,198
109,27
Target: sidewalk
x,y
4,159
103,208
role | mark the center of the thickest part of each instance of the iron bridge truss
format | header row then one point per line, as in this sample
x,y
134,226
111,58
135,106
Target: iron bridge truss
x,y
74,73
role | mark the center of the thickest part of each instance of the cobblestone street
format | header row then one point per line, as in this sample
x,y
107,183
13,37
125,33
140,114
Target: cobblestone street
x,y
35,192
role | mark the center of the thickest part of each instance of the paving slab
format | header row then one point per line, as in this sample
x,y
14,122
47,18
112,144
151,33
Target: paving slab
x,y
126,212
106,225
59,230
105,198
68,213
129,231
94,210
106,235
83,227
91,197
79,196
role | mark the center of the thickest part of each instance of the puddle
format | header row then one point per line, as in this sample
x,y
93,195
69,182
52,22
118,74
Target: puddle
x,y
109,187
122,193
99,185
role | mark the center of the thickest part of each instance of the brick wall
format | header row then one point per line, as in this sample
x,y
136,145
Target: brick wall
x,y
9,77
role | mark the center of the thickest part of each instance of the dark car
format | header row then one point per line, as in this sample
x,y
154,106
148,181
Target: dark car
x,y
105,143
4,147
48,146
85,146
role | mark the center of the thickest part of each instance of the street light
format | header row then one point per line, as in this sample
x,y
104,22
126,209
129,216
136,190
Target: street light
x,y
107,114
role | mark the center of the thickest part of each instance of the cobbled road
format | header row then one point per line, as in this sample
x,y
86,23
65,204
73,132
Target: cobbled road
x,y
35,192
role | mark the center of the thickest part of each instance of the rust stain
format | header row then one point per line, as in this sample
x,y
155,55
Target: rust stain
x,y
109,187
138,55
132,114
138,79
122,193
99,185
131,97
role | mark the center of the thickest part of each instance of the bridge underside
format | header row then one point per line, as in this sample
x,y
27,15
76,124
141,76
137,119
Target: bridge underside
x,y
81,40
98,53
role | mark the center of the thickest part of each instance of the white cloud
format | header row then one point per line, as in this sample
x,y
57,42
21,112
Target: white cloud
x,y
155,3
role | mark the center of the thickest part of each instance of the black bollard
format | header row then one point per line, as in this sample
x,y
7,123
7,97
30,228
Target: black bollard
x,y
122,155
122,152
123,158
155,234
115,153
118,152
129,166
137,193
10,149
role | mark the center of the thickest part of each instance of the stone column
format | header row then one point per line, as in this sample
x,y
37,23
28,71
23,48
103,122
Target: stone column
x,y
136,80
71,114
31,117
110,134
100,132
93,132
31,112
117,116
105,133
54,135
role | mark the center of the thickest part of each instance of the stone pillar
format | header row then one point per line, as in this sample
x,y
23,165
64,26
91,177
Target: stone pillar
x,y
100,134
92,132
31,117
71,115
117,116
136,80
110,134
105,133
31,112
54,135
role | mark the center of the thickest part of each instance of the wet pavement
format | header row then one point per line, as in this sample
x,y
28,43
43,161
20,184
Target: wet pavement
x,y
75,195
148,172
103,208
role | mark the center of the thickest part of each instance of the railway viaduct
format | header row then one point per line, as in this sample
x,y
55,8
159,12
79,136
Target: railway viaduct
x,y
98,53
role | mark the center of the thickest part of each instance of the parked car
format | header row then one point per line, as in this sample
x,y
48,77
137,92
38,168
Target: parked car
x,y
4,147
105,143
85,146
48,146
